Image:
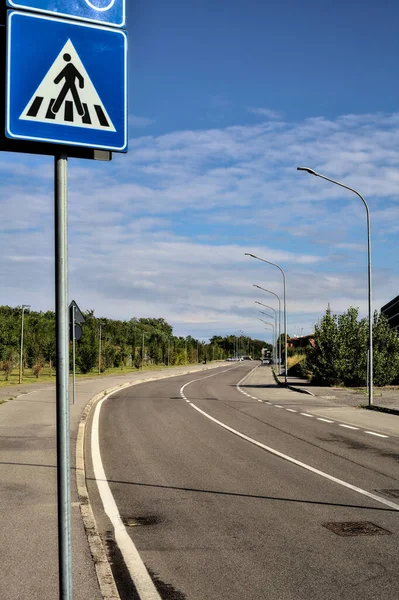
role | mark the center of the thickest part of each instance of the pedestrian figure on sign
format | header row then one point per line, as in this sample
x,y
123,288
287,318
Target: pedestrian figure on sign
x,y
70,74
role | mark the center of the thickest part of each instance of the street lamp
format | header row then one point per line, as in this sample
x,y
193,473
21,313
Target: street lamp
x,y
279,326
268,323
99,349
285,305
370,348
274,330
275,321
22,342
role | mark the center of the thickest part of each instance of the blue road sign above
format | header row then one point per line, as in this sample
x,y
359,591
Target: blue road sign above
x,y
66,82
107,12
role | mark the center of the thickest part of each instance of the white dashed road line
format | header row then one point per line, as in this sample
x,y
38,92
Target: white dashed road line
x,y
377,434
308,414
290,459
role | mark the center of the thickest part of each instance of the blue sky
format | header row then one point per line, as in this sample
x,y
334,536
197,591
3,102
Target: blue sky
x,y
225,100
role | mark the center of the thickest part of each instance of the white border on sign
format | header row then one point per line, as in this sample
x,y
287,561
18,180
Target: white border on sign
x,y
19,4
8,91
103,9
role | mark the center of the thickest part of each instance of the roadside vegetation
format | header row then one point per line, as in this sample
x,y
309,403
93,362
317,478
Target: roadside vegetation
x,y
339,354
140,343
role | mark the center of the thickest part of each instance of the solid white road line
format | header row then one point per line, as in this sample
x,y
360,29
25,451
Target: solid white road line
x,y
139,574
290,459
294,461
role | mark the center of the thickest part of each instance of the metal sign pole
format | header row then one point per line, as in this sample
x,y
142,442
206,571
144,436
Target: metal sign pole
x,y
62,381
73,354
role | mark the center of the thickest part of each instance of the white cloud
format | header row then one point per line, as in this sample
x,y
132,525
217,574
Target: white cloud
x,y
265,112
162,231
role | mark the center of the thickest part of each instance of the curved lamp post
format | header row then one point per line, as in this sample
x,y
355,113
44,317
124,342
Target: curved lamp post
x,y
285,305
267,323
22,342
274,334
278,343
370,319
279,307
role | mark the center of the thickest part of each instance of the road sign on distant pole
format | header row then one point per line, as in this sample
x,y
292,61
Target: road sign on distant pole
x,y
76,319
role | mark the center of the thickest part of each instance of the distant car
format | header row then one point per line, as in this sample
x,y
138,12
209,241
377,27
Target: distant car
x,y
265,361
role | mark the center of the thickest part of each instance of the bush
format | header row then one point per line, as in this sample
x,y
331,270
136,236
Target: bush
x,y
339,355
7,367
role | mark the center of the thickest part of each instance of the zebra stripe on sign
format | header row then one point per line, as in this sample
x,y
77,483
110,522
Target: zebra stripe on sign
x,y
90,116
67,96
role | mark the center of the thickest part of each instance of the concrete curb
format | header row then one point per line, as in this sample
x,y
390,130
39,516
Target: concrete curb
x,y
384,409
292,387
106,581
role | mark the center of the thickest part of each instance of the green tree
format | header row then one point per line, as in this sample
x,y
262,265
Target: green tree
x,y
339,355
323,359
386,351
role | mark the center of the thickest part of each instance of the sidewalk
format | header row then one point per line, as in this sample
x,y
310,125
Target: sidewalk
x,y
28,533
384,398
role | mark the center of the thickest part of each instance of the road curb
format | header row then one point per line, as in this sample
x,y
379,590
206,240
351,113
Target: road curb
x,y
292,387
383,409
106,581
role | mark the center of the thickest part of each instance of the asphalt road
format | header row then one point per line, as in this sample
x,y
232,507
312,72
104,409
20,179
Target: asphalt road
x,y
217,516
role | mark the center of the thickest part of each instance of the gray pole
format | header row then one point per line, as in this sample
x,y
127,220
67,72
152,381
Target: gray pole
x,y
370,308
268,323
73,355
99,352
142,354
168,352
275,324
279,322
274,332
185,344
22,342
285,307
62,377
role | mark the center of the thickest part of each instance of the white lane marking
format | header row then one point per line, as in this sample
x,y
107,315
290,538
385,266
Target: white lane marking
x,y
377,434
306,415
294,461
324,420
278,406
291,410
140,576
208,376
347,426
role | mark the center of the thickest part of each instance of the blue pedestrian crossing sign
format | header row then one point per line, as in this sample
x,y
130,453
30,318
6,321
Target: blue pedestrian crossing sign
x,y
66,82
107,12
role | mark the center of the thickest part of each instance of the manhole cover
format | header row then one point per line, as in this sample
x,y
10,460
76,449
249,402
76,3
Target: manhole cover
x,y
140,521
352,528
391,493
